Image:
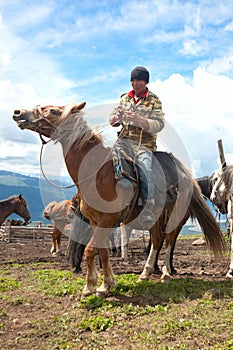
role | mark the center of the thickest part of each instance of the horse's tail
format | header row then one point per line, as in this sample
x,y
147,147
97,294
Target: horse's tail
x,y
201,211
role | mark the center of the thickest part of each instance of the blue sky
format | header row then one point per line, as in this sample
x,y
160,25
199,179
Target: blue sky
x,y
55,52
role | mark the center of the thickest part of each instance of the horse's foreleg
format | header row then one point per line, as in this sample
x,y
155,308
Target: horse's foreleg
x,y
108,281
53,249
56,241
230,272
91,276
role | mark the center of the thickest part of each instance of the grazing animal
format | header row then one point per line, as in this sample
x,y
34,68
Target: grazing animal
x,y
14,222
106,203
14,204
61,213
222,197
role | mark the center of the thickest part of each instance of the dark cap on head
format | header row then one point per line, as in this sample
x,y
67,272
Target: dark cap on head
x,y
140,73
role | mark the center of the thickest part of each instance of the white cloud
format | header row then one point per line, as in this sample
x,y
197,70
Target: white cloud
x,y
47,50
201,112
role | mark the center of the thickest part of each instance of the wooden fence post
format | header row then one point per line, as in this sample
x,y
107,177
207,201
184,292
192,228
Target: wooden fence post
x,y
124,241
221,154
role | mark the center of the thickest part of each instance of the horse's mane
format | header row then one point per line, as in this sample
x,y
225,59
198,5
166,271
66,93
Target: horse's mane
x,y
8,199
228,176
205,185
73,127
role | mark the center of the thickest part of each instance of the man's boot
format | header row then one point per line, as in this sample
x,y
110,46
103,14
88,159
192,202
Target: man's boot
x,y
147,217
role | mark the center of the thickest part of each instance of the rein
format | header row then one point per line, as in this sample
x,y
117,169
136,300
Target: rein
x,y
44,142
41,168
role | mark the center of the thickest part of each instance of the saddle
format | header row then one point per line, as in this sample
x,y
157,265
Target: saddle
x,y
166,172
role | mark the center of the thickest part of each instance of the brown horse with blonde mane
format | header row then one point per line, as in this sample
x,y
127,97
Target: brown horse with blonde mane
x,y
102,200
61,213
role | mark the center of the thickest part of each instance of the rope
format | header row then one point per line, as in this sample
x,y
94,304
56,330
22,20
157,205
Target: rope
x,y
75,184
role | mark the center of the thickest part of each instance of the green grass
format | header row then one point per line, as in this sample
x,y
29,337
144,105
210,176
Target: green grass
x,y
184,313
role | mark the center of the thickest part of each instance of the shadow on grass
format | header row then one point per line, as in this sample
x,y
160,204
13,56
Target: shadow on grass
x,y
151,293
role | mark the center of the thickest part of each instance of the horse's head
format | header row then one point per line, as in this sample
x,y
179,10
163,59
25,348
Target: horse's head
x,y
47,213
218,194
45,120
21,208
74,203
60,211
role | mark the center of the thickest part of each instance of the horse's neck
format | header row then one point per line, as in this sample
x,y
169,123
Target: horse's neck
x,y
228,178
6,209
90,152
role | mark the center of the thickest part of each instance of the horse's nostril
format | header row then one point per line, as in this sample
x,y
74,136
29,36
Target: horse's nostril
x,y
16,112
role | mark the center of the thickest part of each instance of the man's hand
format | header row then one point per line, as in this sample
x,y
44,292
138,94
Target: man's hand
x,y
117,117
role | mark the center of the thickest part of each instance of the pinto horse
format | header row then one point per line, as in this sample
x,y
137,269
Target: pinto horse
x,y
15,204
106,203
222,197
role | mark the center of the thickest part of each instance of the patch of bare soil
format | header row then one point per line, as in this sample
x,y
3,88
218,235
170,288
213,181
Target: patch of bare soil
x,y
189,260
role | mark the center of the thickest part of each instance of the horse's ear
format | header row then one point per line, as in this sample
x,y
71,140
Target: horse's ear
x,y
78,107
20,196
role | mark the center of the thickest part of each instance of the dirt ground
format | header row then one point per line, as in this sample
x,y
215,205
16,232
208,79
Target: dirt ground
x,y
189,260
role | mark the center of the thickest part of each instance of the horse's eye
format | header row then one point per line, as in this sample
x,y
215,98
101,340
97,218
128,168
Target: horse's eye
x,y
53,111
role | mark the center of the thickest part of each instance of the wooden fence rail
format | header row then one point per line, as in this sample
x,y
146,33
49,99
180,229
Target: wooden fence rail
x,y
13,234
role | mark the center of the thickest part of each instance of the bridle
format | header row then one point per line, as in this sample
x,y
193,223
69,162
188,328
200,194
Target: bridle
x,y
38,111
215,190
39,128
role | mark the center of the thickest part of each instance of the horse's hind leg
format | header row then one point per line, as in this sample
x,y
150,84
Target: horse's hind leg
x,y
170,246
59,234
157,239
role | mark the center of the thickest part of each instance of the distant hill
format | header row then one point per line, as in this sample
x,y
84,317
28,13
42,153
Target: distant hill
x,y
37,192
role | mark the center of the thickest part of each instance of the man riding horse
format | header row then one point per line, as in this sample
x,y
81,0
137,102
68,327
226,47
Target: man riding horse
x,y
140,113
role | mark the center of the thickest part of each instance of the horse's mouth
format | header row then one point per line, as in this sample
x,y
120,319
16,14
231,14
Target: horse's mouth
x,y
22,124
26,222
23,120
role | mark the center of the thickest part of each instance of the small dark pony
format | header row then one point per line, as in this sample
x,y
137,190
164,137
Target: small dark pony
x,y
15,204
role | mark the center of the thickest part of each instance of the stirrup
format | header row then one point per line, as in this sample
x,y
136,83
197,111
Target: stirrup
x,y
146,219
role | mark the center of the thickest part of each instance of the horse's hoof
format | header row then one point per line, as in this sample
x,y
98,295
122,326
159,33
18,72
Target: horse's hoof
x,y
143,277
104,289
88,291
229,274
77,270
166,277
101,294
